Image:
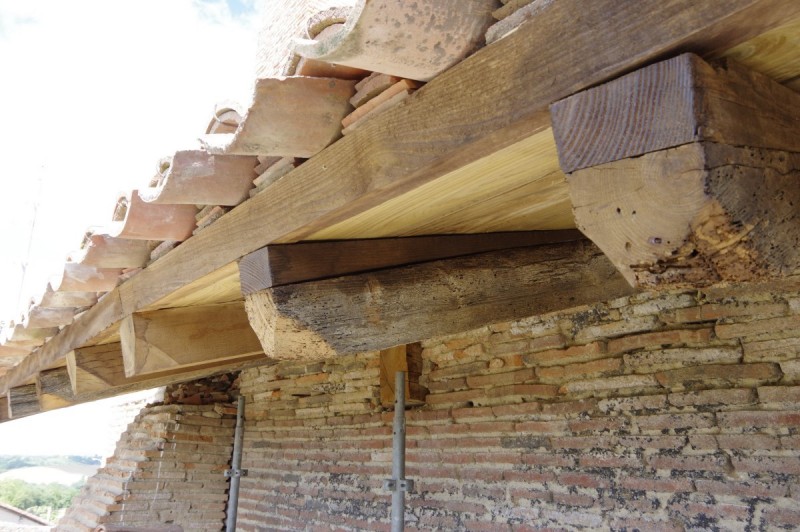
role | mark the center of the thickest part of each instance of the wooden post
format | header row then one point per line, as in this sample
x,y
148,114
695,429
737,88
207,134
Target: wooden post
x,y
407,359
686,174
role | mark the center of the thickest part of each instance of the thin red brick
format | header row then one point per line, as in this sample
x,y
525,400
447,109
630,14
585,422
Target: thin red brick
x,y
741,488
748,419
757,328
661,485
720,375
767,464
500,379
578,353
538,391
658,339
596,368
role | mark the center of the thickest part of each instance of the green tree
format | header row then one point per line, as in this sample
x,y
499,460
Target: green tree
x,y
37,498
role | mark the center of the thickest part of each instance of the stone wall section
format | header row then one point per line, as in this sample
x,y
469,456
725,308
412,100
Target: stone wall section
x,y
168,468
654,412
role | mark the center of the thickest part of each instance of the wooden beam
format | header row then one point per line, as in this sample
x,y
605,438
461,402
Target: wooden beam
x,y
23,401
433,133
97,372
308,261
53,389
378,310
674,102
174,339
706,190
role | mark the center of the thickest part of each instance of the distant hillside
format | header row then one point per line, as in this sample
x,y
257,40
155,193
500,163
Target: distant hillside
x,y
65,470
9,462
48,475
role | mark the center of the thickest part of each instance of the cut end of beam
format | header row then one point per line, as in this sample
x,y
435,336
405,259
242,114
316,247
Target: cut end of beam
x,y
282,337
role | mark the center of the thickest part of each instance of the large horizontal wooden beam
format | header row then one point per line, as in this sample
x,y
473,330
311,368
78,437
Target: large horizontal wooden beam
x,y
282,264
491,100
378,310
692,175
178,338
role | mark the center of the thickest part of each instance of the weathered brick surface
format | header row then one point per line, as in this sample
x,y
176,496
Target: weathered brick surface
x,y
168,468
676,411
663,412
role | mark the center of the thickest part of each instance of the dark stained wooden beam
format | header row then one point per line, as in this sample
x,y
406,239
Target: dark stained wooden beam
x,y
282,264
23,401
178,338
706,190
491,100
378,310
671,103
54,389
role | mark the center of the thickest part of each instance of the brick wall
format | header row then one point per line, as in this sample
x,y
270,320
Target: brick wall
x,y
167,468
662,412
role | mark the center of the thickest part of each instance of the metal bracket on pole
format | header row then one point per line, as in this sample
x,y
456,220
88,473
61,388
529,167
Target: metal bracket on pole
x,y
403,484
232,473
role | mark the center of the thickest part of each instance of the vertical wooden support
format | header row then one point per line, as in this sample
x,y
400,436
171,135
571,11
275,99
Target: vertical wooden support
x,y
408,359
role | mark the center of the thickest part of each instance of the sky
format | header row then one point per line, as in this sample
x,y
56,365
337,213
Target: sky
x,y
93,94
89,429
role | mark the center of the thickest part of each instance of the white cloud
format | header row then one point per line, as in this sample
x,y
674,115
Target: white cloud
x,y
94,92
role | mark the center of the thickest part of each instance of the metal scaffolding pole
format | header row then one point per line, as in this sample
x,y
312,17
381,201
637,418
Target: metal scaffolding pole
x,y
235,473
398,484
